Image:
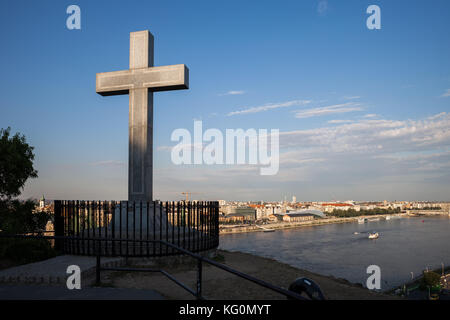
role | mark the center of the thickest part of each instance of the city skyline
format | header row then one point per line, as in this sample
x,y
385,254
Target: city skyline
x,y
363,114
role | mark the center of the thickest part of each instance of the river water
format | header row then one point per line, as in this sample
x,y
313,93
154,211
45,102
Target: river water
x,y
405,245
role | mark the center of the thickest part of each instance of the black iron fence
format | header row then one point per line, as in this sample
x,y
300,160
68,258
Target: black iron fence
x,y
124,225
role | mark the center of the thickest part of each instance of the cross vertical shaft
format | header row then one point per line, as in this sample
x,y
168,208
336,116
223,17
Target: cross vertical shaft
x,y
140,153
140,129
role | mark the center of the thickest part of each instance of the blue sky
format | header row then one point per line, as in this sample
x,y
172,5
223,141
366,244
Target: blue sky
x,y
385,134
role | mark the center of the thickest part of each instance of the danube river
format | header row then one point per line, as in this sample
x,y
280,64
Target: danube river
x,y
405,246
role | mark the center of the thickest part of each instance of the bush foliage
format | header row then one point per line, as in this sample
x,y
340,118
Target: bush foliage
x,y
17,216
430,279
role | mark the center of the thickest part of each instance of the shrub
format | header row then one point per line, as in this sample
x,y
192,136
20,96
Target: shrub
x,y
16,216
26,250
430,279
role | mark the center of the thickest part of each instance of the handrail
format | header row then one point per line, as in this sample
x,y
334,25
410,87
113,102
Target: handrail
x,y
238,273
199,258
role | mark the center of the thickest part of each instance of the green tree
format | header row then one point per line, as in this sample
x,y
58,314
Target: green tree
x,y
431,279
16,164
20,217
17,216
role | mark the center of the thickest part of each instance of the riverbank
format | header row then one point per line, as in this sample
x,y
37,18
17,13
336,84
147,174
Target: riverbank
x,y
226,229
427,213
218,284
413,288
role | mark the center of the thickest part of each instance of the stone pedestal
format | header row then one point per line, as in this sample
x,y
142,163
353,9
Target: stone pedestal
x,y
140,221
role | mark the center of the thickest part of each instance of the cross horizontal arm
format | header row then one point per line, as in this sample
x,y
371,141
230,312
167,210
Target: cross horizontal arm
x,y
164,78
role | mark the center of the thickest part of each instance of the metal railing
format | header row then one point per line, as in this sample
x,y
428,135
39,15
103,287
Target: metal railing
x,y
200,260
190,225
197,292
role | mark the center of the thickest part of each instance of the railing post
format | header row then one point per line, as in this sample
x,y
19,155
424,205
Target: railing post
x,y
98,265
113,226
199,279
58,226
216,218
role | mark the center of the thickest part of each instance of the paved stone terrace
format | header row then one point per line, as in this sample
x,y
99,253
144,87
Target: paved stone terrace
x,y
53,271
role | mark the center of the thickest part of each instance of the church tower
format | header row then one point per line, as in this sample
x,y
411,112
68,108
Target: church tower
x,y
42,202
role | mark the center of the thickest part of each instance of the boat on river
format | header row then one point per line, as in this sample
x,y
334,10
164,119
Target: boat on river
x,y
265,229
373,235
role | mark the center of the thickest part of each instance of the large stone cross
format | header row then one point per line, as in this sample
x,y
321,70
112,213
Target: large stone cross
x,y
139,82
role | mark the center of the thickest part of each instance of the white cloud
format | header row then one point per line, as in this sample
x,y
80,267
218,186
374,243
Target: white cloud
x,y
322,7
368,134
437,116
191,146
351,97
164,148
371,115
366,159
446,94
270,106
232,93
322,111
339,121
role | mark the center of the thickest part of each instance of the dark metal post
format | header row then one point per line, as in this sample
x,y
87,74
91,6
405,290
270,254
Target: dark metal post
x,y
154,227
216,226
120,227
97,266
197,223
140,226
178,222
59,226
189,225
183,222
113,226
148,225
172,206
167,226
161,223
85,226
134,228
126,212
